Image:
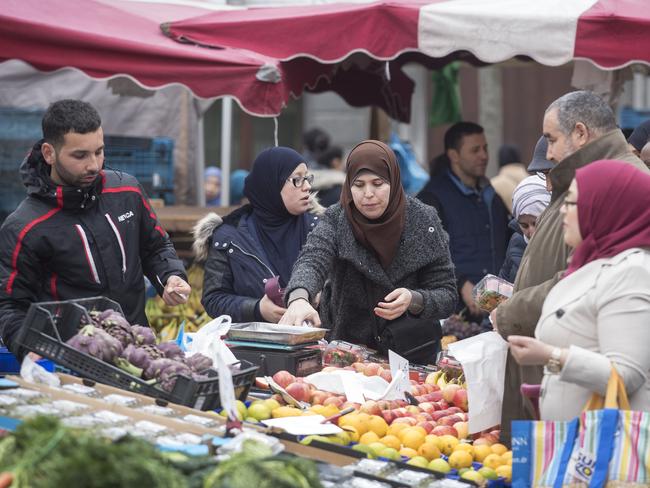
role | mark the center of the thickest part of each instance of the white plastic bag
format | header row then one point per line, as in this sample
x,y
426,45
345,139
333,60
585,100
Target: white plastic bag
x,y
483,358
207,341
32,372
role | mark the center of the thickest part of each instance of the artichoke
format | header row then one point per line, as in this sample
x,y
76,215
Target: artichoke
x,y
166,371
171,350
143,335
141,356
97,343
198,362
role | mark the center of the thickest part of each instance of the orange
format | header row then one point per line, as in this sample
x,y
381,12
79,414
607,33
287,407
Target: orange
x,y
429,451
368,438
463,446
434,439
412,438
352,432
391,441
499,449
481,452
396,428
460,459
355,421
493,461
448,442
505,471
408,452
378,425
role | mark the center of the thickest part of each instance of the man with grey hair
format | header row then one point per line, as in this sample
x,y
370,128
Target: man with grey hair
x,y
580,128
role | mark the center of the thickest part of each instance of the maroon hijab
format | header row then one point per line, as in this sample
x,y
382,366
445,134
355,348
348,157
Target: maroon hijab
x,y
382,235
613,211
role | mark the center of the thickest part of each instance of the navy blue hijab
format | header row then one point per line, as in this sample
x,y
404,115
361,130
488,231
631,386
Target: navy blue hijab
x,y
281,234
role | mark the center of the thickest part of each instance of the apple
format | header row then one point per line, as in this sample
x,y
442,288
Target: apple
x,y
406,420
261,383
334,400
371,407
278,398
284,378
443,404
300,391
372,369
359,367
434,396
423,417
462,428
431,388
318,397
460,399
389,416
329,369
426,407
401,403
413,410
438,414
450,420
428,426
455,409
441,430
384,405
449,391
354,405
386,375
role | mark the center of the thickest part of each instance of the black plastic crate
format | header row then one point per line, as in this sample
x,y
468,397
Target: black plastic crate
x,y
49,324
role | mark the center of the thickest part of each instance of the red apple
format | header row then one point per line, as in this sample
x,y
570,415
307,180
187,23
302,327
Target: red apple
x,y
261,383
455,409
371,407
444,430
450,420
384,405
406,420
334,400
284,378
428,426
401,403
460,399
385,375
449,391
431,388
423,417
443,404
426,407
300,391
356,406
413,410
318,397
434,396
389,416
372,369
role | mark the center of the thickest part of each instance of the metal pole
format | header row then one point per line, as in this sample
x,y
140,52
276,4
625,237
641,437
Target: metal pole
x,y
226,149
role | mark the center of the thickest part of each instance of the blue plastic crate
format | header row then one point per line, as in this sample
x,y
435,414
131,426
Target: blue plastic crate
x,y
150,160
21,123
10,365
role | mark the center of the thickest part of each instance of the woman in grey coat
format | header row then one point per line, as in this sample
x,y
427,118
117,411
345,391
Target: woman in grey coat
x,y
384,256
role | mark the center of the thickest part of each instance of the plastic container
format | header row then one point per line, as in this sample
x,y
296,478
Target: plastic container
x,y
341,354
492,291
48,325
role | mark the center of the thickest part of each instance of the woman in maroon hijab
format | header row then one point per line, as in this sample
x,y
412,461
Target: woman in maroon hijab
x,y
598,315
385,259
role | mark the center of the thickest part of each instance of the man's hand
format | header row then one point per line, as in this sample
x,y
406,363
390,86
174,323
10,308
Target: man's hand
x,y
528,351
270,311
468,298
177,291
299,311
396,304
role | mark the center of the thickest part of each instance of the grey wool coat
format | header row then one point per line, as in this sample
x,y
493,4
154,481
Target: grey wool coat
x,y
356,281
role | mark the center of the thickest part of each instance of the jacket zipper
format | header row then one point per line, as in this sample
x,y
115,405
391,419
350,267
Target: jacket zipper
x,y
119,241
254,257
89,256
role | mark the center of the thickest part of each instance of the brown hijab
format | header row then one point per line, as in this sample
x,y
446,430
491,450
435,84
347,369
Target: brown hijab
x,y
382,235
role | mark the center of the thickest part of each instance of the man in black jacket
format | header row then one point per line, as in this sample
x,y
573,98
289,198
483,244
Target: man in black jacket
x,y
473,215
82,231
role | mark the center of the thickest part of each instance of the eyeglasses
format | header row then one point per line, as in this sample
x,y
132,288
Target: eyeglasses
x,y
298,181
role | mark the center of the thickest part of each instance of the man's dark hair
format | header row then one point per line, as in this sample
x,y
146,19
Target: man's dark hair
x,y
66,116
330,154
456,132
316,140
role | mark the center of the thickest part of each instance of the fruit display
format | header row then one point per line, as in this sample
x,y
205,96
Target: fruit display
x,y
341,353
166,320
492,291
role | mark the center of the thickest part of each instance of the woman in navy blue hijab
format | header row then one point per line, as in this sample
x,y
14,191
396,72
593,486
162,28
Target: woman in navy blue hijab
x,y
251,252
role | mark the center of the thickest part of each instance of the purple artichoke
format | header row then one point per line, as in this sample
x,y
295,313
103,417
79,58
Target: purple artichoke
x,y
165,371
171,350
143,335
141,356
198,362
97,343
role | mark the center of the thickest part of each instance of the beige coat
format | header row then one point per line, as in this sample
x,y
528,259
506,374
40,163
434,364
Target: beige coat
x,y
507,180
602,313
542,265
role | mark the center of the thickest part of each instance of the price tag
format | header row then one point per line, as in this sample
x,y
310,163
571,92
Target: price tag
x,y
398,363
353,388
226,388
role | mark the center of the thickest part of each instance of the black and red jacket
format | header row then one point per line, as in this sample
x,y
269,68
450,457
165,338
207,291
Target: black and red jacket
x,y
66,242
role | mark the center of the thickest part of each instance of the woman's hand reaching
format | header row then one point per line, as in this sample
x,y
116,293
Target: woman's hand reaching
x,y
396,303
300,311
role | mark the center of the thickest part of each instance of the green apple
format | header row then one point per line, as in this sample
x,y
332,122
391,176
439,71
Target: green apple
x,y
439,465
419,461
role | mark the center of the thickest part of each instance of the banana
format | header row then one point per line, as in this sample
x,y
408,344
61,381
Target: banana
x,y
442,381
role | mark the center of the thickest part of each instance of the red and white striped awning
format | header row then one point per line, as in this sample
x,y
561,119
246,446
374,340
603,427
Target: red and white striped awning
x,y
357,39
